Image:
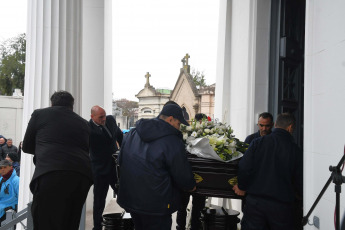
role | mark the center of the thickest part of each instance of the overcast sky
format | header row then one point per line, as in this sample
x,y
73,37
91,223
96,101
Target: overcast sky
x,y
149,36
12,18
154,35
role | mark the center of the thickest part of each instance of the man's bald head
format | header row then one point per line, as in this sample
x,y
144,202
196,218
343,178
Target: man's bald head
x,y
98,115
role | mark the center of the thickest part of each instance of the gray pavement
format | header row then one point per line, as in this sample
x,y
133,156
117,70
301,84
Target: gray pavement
x,y
113,207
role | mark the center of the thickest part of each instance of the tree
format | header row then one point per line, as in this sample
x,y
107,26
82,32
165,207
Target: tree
x,y
129,108
198,78
12,64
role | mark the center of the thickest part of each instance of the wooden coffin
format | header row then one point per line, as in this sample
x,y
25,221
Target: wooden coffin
x,y
214,176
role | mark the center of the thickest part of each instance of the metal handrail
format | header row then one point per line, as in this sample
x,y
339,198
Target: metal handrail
x,y
13,218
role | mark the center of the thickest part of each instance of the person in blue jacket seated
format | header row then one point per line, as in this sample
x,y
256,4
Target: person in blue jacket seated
x,y
154,170
9,188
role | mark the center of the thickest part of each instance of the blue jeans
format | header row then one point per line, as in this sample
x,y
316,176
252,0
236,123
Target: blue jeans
x,y
150,222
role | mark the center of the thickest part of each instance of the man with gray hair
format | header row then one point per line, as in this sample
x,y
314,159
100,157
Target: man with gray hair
x,y
271,172
9,148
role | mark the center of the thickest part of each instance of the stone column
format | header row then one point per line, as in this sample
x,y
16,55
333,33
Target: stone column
x,y
237,92
52,63
242,59
66,45
222,94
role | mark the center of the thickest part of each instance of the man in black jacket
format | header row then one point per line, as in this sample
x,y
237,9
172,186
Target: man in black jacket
x,y
271,173
3,141
265,124
104,140
9,148
154,170
59,140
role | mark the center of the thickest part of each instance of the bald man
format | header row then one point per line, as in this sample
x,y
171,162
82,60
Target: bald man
x,y
103,138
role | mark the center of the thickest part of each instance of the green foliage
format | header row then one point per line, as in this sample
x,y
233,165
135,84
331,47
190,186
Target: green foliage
x,y
198,78
12,64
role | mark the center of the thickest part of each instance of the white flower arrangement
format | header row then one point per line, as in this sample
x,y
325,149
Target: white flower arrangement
x,y
214,140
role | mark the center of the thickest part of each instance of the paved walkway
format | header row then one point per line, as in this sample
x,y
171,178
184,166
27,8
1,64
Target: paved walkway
x,y
113,207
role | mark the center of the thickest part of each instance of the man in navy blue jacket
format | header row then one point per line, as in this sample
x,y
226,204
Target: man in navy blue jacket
x,y
270,172
154,169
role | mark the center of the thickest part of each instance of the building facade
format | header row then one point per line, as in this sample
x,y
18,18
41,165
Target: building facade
x,y
192,100
287,56
151,100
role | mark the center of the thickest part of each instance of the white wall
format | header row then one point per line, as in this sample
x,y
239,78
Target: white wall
x,y
324,110
11,112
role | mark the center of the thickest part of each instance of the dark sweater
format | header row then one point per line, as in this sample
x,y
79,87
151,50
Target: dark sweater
x,y
251,137
103,146
271,168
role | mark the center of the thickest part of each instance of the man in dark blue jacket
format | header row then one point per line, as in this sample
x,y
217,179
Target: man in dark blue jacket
x,y
154,169
271,173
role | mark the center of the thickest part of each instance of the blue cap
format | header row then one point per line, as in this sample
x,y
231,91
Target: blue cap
x,y
175,111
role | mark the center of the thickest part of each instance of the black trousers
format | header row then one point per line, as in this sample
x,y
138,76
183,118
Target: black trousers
x,y
58,200
150,222
262,214
198,205
100,191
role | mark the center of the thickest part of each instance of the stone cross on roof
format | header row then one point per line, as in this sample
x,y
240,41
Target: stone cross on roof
x,y
185,65
186,58
183,62
147,79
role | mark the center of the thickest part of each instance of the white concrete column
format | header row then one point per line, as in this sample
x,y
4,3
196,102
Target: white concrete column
x,y
96,64
324,90
97,55
242,61
239,63
222,94
68,48
52,63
